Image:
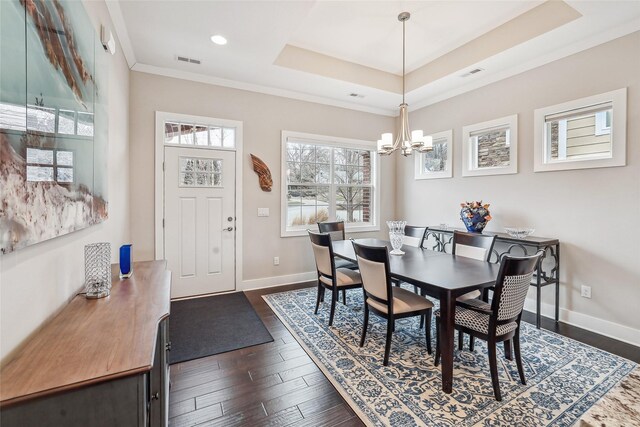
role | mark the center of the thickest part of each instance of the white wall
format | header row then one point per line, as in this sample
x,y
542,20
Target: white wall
x,y
593,212
35,282
263,117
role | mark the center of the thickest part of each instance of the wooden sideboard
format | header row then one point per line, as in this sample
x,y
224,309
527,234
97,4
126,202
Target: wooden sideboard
x,y
99,362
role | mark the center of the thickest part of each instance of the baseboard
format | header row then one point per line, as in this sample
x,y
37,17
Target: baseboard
x,y
269,282
590,323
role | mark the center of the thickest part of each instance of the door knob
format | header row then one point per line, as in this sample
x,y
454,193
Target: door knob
x,y
228,229
230,219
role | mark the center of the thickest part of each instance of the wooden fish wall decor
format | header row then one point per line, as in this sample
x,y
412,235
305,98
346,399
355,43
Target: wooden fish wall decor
x,y
264,174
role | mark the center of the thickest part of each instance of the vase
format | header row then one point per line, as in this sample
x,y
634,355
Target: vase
x,y
474,219
396,236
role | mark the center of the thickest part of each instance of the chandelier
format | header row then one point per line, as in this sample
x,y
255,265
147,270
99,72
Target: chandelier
x,y
406,140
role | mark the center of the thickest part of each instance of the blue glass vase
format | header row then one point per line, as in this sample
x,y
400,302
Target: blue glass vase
x,y
126,270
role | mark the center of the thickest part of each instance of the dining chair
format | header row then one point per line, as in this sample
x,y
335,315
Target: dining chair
x,y
413,236
500,320
475,246
330,277
336,231
385,300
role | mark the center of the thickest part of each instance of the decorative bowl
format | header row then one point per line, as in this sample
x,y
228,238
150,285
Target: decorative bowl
x,y
519,232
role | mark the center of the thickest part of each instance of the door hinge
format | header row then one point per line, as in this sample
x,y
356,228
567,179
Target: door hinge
x,y
162,222
163,167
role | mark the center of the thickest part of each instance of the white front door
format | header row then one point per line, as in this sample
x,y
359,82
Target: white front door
x,y
199,215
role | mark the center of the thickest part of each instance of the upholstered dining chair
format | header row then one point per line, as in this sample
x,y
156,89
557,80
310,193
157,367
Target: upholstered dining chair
x,y
500,320
476,246
413,236
330,277
385,300
336,230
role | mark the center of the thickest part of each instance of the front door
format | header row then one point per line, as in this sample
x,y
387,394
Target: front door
x,y
199,220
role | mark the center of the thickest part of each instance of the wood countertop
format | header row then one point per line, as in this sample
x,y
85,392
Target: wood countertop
x,y
93,340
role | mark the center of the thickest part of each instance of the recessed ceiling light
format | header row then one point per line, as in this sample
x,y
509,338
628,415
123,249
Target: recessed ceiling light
x,y
218,39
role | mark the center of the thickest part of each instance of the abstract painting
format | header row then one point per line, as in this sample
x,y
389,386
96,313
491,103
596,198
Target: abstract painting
x,y
53,122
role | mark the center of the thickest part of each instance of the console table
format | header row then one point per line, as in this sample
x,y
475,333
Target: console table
x,y
99,362
546,273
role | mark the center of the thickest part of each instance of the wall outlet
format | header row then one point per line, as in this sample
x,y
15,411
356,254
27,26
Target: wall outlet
x,y
276,260
263,211
585,291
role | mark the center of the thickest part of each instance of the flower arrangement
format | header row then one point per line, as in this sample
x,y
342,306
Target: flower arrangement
x,y
475,216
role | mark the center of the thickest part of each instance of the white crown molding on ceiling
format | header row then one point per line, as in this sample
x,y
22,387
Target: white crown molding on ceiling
x,y
113,6
427,98
267,90
582,45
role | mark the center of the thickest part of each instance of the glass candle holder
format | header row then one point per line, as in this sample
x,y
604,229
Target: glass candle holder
x,y
97,270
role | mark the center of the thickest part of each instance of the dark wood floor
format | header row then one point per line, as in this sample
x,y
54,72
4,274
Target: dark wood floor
x,y
277,384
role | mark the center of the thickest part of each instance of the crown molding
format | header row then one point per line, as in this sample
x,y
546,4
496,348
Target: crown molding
x,y
284,93
113,6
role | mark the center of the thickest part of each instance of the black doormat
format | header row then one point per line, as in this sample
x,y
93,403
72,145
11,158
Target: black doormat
x,y
205,326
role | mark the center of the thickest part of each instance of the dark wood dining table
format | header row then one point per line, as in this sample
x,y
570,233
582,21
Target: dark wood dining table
x,y
439,275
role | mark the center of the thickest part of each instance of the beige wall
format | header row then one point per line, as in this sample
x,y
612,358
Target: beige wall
x,y
35,282
593,212
263,117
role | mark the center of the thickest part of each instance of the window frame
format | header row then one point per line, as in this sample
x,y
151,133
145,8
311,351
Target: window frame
x,y
618,130
468,149
334,142
420,173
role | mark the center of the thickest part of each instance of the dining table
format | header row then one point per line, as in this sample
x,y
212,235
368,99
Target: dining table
x,y
439,275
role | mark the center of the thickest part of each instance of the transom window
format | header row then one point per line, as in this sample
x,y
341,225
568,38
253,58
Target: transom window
x,y
327,180
199,135
49,165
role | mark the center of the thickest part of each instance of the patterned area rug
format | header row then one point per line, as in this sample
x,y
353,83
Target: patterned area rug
x,y
564,377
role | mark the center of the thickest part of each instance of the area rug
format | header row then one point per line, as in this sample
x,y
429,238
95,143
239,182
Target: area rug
x,y
205,326
564,377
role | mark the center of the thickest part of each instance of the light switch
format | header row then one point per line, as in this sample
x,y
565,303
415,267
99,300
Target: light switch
x,y
263,211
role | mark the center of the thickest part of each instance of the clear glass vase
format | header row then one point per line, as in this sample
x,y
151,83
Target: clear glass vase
x,y
396,235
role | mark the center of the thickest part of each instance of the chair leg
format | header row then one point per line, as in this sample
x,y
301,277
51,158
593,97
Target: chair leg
x,y
421,322
387,346
344,296
493,364
334,297
507,350
365,325
320,295
460,340
428,330
516,350
436,359
415,289
471,342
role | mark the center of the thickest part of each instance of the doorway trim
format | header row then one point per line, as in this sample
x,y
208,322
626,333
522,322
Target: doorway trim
x,y
161,117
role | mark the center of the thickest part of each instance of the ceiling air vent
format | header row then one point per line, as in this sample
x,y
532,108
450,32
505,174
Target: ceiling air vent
x,y
188,60
472,72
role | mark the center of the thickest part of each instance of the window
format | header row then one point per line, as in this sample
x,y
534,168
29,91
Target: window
x,y
437,162
326,179
200,172
490,148
199,135
585,133
48,165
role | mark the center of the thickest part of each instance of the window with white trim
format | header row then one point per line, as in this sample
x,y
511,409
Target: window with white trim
x,y
199,135
328,179
584,133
